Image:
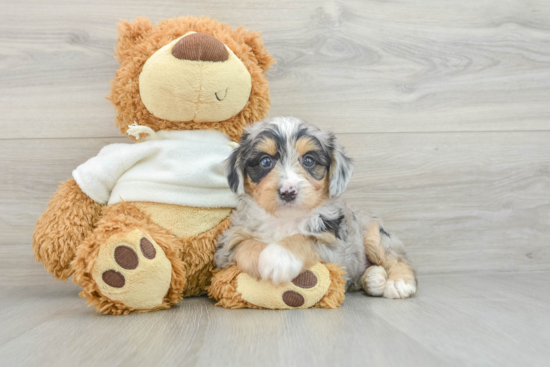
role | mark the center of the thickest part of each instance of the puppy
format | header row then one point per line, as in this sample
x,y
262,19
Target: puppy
x,y
289,176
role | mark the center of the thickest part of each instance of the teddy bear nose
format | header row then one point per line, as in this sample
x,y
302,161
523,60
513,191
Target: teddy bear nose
x,y
200,47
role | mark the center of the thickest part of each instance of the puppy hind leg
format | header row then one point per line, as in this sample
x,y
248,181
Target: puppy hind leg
x,y
392,277
401,281
374,280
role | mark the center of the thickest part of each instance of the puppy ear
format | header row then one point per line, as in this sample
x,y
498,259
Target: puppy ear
x,y
234,169
341,170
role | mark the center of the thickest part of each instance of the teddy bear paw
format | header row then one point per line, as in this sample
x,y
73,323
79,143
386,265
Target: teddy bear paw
x,y
304,291
134,270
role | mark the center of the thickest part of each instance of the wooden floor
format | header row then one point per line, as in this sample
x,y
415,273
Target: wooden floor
x,y
458,320
444,106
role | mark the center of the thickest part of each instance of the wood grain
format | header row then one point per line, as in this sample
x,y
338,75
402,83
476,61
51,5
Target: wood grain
x,y
350,66
462,202
442,104
454,320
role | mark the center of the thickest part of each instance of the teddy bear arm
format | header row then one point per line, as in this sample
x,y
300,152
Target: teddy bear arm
x,y
321,286
71,216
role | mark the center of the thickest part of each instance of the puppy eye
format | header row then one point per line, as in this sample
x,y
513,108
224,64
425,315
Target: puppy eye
x,y
266,162
308,161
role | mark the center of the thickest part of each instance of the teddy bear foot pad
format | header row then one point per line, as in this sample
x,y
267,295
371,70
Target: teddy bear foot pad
x,y
303,292
322,285
132,269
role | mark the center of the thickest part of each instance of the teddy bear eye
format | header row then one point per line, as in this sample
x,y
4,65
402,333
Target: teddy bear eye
x,y
308,161
221,94
266,162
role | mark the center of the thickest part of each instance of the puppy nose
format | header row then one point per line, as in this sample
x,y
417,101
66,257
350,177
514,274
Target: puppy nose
x,y
288,194
200,47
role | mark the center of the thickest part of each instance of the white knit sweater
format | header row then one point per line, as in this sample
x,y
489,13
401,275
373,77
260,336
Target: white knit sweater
x,y
179,167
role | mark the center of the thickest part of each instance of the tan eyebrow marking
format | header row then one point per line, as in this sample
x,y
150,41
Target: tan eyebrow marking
x,y
268,146
306,144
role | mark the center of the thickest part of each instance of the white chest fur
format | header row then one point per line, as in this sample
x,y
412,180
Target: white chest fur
x,y
277,229
270,228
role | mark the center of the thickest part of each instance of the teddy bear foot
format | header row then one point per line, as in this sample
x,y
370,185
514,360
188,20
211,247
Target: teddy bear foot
x,y
129,270
320,286
133,270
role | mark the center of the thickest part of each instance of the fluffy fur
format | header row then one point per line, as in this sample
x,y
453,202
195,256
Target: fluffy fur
x,y
289,176
140,39
71,232
70,218
225,283
190,255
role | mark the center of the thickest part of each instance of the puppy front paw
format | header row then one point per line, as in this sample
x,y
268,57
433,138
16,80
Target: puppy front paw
x,y
278,265
399,289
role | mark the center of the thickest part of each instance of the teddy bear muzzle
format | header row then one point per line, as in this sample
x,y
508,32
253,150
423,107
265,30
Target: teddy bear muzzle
x,y
194,78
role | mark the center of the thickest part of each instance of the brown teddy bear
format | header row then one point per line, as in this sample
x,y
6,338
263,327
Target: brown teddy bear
x,y
137,224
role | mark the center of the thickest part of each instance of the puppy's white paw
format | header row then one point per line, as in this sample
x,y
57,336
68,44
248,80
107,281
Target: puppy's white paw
x,y
399,289
374,281
278,265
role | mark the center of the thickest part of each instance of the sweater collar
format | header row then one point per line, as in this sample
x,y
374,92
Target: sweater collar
x,y
209,136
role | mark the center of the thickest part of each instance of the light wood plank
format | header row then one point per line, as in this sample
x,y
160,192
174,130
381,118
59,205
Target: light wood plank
x,y
454,320
462,202
31,170
349,66
442,104
468,202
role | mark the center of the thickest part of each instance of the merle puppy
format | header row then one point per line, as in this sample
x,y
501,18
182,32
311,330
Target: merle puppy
x,y
289,176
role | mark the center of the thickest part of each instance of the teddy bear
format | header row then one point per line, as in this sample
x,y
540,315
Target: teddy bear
x,y
136,226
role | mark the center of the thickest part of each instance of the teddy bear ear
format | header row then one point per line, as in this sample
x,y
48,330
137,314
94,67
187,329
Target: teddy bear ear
x,y
265,60
130,33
